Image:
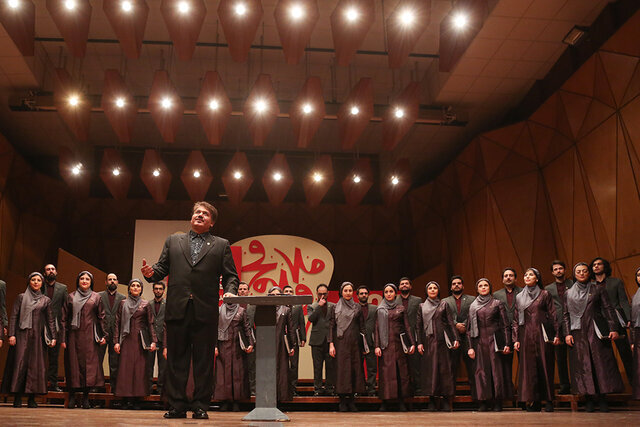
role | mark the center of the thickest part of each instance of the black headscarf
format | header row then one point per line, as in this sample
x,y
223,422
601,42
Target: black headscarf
x,y
526,298
29,301
577,298
130,306
383,316
476,305
346,311
80,298
429,307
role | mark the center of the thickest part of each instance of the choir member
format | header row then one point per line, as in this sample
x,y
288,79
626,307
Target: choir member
x,y
284,340
243,291
391,322
111,300
535,316
318,316
411,303
57,293
436,334
489,335
557,289
158,307
300,339
594,371
619,300
134,319
370,359
83,332
345,326
635,337
26,369
508,297
232,373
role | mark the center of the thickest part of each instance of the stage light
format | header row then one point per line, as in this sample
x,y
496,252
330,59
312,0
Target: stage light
x,y
76,169
317,177
184,7
237,174
460,21
395,180
277,176
166,103
260,105
126,6
406,17
354,111
13,4
196,174
156,172
356,178
240,9
115,171
70,4
213,105
352,14
120,102
296,12
307,108
399,113
74,100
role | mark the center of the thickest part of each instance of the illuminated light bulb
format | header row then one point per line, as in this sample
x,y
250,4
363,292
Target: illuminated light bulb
x,y
70,4
460,20
240,9
395,180
356,178
184,7
126,6
277,176
407,17
120,102
352,14
76,169
237,174
260,105
156,172
13,4
74,100
399,113
355,111
296,12
115,171
307,108
317,177
214,105
166,103
196,174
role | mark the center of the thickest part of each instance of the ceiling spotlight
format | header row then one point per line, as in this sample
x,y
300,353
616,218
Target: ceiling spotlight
x,y
407,17
70,4
74,100
115,171
399,113
354,111
460,21
13,4
76,169
166,103
317,177
277,176
296,12
240,9
260,105
214,104
395,180
156,172
352,14
307,108
126,6
184,7
120,102
196,174
356,178
237,174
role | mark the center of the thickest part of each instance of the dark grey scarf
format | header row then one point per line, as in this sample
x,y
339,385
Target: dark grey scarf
x,y
30,299
476,305
129,307
227,313
383,318
577,298
346,311
525,299
429,309
79,300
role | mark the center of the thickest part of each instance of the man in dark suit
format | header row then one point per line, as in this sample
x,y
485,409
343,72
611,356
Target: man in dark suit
x,y
619,300
110,301
57,293
158,307
411,304
300,333
508,297
369,315
557,289
458,304
243,291
318,317
195,262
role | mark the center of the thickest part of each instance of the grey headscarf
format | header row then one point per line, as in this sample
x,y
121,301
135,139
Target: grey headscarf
x,y
346,311
577,298
429,307
129,307
227,313
526,298
635,305
30,299
476,305
79,299
383,316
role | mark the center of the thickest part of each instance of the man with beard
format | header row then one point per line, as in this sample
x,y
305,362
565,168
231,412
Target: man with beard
x,y
557,289
319,313
369,315
157,305
411,304
300,333
508,297
111,301
458,304
57,293
243,291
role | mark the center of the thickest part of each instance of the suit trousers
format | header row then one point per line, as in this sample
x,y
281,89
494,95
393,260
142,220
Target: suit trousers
x,y
320,356
162,366
371,369
114,359
251,361
414,373
189,340
293,370
563,365
52,368
626,355
461,353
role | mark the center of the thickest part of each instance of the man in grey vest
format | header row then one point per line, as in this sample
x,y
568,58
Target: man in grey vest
x,y
157,305
369,314
557,289
411,304
110,301
317,316
57,293
300,334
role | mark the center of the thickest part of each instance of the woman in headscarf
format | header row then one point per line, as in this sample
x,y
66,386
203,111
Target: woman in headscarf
x,y
534,316
345,326
435,334
83,332
284,335
594,371
133,319
488,325
232,369
393,369
26,368
635,337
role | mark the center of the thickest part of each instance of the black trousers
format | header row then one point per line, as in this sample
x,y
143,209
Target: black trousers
x,y
162,366
52,369
251,361
371,370
190,340
114,358
414,373
563,365
320,356
461,354
626,355
293,369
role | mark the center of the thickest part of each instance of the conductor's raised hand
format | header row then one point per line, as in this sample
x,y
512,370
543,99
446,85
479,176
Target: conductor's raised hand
x,y
147,270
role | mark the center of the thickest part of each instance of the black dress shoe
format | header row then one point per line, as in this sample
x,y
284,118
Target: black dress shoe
x,y
17,402
235,407
172,413
32,402
565,389
55,388
200,414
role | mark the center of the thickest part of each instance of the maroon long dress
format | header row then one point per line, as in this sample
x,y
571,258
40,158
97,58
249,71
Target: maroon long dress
x,y
593,366
437,372
536,358
26,367
83,366
393,368
133,380
284,326
232,369
349,373
491,375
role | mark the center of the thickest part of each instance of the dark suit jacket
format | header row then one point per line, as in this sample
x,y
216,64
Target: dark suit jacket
x,y
412,311
502,296
370,324
199,281
158,319
60,293
618,296
320,323
297,320
110,312
558,301
4,322
464,307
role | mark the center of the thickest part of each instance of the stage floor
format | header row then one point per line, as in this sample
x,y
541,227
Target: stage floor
x,y
104,417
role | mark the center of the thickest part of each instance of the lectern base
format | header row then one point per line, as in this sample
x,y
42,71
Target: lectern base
x,y
266,414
